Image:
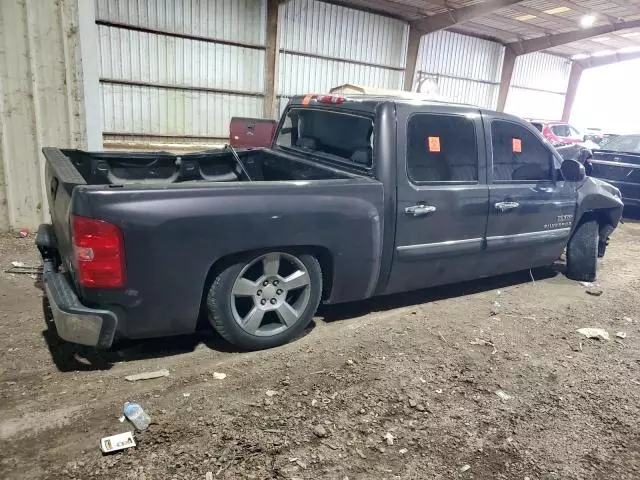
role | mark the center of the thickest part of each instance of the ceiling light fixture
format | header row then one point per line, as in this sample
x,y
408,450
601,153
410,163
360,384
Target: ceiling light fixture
x,y
553,11
525,17
587,20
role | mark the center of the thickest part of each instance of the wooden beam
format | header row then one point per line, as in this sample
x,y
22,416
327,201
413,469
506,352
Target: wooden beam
x,y
572,88
550,41
508,64
413,50
455,16
271,59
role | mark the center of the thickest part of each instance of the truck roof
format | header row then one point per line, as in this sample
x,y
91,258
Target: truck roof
x,y
368,102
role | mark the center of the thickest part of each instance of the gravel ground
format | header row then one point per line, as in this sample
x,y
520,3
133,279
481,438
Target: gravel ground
x,y
400,387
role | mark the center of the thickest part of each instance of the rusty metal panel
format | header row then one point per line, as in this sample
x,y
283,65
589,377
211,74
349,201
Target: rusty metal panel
x,y
300,74
155,82
237,20
461,68
41,101
338,45
542,71
330,30
158,112
538,86
147,57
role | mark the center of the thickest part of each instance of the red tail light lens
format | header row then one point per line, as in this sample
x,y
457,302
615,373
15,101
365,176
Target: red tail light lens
x,y
98,249
334,99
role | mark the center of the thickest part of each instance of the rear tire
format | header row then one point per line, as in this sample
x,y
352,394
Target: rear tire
x,y
265,300
582,251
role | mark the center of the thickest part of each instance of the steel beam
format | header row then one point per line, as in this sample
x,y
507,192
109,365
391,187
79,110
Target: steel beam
x,y
271,58
608,60
550,41
508,64
413,50
459,15
572,88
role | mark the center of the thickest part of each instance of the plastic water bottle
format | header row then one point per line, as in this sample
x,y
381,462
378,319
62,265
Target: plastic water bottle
x,y
136,415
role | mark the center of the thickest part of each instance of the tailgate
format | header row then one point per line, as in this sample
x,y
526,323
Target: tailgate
x,y
61,177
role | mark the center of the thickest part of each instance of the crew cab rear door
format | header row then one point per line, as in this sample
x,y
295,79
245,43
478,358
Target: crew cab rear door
x,y
442,196
531,209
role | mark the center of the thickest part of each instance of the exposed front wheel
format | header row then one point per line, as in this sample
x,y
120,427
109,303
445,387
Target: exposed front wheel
x,y
265,300
582,252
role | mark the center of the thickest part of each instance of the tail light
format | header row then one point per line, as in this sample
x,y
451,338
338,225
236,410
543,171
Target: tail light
x,y
98,250
334,99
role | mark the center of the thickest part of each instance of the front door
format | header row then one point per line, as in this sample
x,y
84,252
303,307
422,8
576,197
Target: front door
x,y
530,209
442,198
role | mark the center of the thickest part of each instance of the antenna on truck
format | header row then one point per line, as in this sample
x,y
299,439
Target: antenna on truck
x,y
235,155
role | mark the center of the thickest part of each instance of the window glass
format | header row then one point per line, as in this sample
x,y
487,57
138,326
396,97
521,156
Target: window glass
x,y
574,132
518,154
561,130
349,137
441,148
624,144
537,125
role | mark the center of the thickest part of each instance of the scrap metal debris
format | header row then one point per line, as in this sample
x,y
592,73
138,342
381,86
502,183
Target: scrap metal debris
x,y
597,333
147,375
479,341
503,395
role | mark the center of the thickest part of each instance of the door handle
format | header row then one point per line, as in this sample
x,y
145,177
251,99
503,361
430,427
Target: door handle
x,y
418,210
506,206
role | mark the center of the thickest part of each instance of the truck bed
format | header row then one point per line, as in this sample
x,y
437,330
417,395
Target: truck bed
x,y
77,167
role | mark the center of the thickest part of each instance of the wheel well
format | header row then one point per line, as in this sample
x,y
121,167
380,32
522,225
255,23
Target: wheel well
x,y
322,254
604,219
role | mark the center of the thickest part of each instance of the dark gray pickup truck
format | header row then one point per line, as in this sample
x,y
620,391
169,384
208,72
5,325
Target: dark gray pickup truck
x,y
356,197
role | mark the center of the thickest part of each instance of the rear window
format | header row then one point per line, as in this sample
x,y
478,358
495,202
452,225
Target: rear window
x,y
336,134
537,125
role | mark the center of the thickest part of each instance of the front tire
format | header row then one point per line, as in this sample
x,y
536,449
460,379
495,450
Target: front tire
x,y
266,300
582,251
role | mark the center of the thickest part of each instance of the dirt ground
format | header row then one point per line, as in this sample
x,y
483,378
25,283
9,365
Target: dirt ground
x,y
401,387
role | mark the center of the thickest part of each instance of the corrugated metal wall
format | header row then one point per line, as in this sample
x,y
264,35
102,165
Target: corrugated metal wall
x,y
538,86
461,68
41,101
324,45
179,69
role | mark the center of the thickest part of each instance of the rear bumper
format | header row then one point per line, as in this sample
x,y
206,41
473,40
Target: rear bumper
x,y
74,322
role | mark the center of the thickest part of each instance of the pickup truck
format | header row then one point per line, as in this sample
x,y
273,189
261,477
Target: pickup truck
x,y
356,196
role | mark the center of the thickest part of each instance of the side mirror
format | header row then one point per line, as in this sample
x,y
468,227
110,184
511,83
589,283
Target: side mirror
x,y
573,171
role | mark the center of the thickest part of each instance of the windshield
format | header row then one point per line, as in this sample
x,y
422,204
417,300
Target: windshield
x,y
624,144
336,134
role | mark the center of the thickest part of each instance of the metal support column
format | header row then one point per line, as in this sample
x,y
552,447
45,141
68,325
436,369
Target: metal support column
x,y
413,49
271,59
505,78
572,88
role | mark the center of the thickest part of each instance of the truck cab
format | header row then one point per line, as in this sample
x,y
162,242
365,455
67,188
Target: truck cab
x,y
356,196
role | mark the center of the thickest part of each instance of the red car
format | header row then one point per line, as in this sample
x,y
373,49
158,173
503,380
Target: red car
x,y
558,132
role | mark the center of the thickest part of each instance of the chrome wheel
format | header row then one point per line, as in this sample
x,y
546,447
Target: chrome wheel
x,y
270,294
